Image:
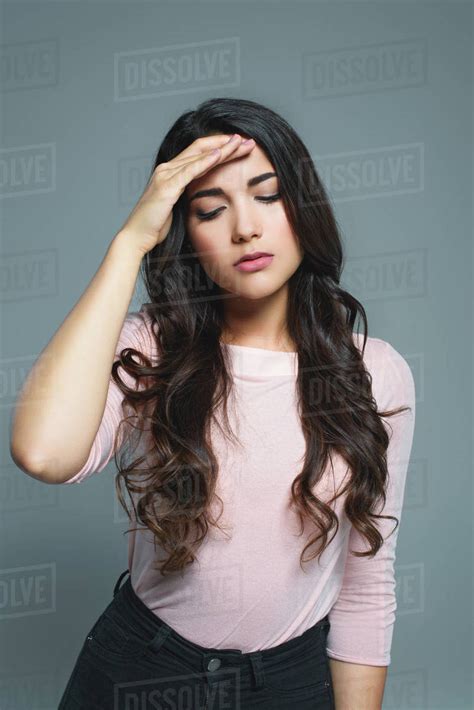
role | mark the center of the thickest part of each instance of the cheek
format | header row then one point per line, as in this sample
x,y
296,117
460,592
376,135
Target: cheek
x,y
203,236
279,228
214,257
284,238
205,245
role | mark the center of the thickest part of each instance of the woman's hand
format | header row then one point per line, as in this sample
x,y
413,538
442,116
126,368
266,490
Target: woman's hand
x,y
150,220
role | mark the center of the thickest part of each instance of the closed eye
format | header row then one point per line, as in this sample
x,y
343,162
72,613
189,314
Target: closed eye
x,y
267,199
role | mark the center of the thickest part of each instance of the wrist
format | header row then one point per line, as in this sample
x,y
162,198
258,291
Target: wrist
x,y
125,246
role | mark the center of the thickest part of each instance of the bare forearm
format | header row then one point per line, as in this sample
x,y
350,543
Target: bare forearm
x,y
357,687
62,401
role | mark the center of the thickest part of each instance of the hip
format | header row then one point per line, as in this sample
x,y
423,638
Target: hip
x,y
132,659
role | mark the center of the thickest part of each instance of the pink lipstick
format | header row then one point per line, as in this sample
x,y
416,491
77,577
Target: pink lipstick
x,y
254,261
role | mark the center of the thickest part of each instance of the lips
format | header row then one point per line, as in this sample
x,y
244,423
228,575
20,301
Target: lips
x,y
252,255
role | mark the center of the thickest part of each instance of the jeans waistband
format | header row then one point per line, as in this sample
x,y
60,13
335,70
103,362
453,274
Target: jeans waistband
x,y
206,659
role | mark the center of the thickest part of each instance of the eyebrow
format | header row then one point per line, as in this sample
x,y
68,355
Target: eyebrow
x,y
217,191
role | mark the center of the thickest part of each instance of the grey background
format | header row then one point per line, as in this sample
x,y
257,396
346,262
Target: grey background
x,y
409,261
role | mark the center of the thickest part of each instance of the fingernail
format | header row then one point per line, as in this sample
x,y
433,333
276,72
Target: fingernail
x,y
249,140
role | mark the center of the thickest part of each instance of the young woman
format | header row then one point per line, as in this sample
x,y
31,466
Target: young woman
x,y
263,441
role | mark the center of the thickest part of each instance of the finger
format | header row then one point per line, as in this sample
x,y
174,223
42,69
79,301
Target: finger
x,y
204,144
190,171
228,146
195,168
227,152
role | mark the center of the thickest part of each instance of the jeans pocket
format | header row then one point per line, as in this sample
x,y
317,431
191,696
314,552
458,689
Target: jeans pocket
x,y
303,675
114,641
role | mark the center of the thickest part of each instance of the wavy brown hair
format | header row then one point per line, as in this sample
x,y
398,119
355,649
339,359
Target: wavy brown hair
x,y
180,393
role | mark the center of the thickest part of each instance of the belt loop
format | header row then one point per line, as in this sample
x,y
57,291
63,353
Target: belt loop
x,y
257,667
117,586
160,637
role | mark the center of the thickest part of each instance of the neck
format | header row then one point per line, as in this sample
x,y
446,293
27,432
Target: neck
x,y
258,322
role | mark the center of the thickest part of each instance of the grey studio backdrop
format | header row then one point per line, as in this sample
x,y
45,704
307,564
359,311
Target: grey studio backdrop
x,y
381,93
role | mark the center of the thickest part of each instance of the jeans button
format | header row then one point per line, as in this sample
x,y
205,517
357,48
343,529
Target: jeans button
x,y
213,664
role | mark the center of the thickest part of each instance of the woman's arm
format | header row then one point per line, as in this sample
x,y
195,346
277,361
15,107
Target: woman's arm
x,y
357,687
137,333
363,617
60,406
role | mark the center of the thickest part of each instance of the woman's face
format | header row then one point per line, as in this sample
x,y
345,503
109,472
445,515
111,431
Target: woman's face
x,y
245,218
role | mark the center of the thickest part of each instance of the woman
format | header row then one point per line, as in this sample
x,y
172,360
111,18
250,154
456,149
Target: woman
x,y
265,479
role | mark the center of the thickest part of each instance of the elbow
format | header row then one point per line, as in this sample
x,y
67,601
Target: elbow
x,y
41,468
22,454
46,467
33,466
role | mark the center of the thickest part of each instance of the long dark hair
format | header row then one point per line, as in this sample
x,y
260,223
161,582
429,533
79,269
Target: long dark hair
x,y
179,395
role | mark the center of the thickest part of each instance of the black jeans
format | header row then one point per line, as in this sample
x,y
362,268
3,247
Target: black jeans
x,y
132,660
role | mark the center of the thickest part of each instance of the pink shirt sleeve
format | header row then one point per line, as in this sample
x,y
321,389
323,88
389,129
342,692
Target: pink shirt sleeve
x,y
363,617
135,333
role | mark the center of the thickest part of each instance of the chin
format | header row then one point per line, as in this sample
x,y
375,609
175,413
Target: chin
x,y
254,293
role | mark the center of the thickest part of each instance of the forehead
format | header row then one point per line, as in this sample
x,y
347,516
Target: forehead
x,y
234,173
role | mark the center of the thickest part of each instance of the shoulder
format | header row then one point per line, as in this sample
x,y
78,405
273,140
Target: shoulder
x,y
392,379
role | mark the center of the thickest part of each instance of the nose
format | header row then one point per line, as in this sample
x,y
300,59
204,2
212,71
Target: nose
x,y
246,225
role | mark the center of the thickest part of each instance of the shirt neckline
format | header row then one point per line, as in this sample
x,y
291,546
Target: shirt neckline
x,y
260,364
263,350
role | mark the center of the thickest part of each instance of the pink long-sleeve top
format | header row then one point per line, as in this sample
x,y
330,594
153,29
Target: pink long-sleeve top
x,y
246,590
